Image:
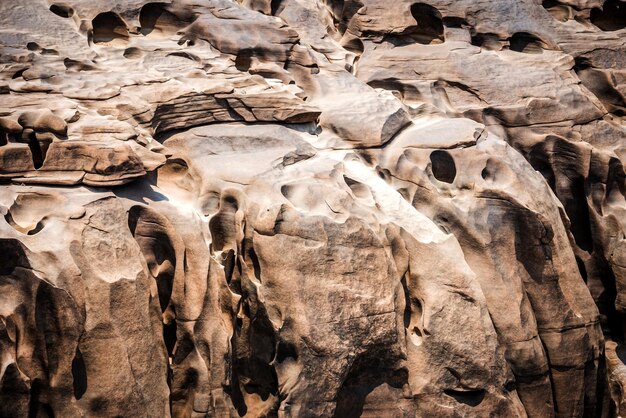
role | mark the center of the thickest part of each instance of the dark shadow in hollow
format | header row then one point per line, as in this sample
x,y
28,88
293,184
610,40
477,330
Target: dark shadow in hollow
x,y
365,375
443,166
429,23
611,17
38,150
79,375
108,27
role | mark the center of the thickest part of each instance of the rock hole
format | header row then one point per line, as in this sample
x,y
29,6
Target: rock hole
x,y
413,313
558,11
133,53
581,64
550,3
33,46
611,17
488,41
79,375
429,23
398,88
109,28
443,166
223,224
454,22
184,39
285,350
243,61
486,174
417,309
276,7
169,337
407,303
8,217
369,372
38,150
492,171
416,336
75,65
526,43
157,17
62,9
415,322
615,182
18,73
149,15
468,397
36,229
185,55
49,51
383,173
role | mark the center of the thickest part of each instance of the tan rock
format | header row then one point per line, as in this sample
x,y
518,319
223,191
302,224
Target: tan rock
x,y
312,208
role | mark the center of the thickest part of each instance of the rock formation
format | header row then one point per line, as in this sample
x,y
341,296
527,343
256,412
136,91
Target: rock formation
x,y
312,208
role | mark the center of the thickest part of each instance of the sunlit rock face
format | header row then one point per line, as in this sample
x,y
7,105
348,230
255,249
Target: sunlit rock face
x,y
312,208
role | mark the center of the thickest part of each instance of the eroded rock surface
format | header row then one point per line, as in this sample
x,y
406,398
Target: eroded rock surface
x,y
312,208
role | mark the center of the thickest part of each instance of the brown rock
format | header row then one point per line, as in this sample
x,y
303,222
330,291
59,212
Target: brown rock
x,y
307,208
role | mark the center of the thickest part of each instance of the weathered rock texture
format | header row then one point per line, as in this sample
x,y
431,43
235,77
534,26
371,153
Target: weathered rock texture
x,y
312,208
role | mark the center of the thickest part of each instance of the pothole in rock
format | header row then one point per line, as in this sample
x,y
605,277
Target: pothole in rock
x,y
468,397
428,28
30,212
443,167
24,216
62,10
429,23
526,43
560,12
156,18
611,17
28,230
109,29
488,41
38,150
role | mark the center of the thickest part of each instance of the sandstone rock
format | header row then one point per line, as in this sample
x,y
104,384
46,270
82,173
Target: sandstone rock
x,y
318,208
